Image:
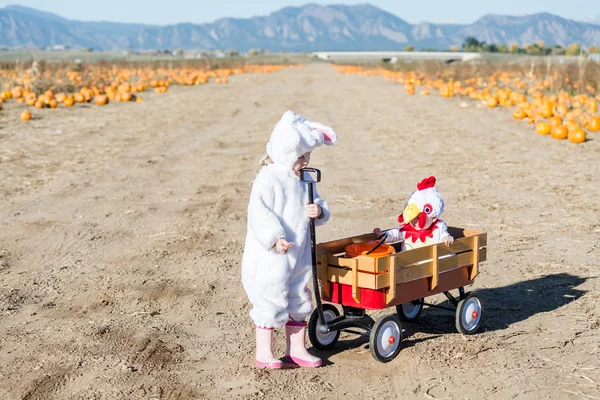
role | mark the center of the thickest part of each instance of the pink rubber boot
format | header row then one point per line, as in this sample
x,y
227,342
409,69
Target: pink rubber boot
x,y
264,349
295,335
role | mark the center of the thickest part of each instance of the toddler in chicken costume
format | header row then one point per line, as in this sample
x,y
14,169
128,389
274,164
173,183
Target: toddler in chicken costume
x,y
277,264
420,223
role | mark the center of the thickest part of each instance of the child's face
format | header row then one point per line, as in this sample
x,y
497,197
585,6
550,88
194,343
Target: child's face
x,y
428,221
301,162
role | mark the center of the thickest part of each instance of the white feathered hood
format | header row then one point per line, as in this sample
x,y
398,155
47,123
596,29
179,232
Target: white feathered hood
x,y
293,136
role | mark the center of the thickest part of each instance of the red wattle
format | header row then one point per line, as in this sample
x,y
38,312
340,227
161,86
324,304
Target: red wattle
x,y
422,220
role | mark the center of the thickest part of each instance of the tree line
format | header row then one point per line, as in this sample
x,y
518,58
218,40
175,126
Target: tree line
x,y
471,44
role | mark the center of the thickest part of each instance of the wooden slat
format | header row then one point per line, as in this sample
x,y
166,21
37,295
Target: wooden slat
x,y
475,259
365,263
391,293
407,274
424,270
435,272
409,257
324,273
355,291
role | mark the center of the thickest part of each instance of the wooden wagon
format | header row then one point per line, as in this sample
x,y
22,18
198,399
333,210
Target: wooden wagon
x,y
403,280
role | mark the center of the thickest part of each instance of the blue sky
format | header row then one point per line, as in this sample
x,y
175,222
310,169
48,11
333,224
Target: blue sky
x,y
199,11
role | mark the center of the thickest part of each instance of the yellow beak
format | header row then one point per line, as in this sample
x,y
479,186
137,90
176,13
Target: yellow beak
x,y
410,212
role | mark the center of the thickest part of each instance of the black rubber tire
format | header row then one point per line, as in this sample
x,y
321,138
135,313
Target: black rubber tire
x,y
465,324
328,309
387,321
413,316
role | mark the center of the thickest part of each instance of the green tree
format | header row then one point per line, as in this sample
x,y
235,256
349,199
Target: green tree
x,y
532,49
409,48
472,44
557,50
593,50
514,48
573,49
502,48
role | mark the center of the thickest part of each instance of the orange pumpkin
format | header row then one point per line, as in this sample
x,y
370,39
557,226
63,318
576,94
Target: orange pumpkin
x,y
543,128
576,136
101,100
559,132
555,121
519,114
594,124
69,101
26,115
79,98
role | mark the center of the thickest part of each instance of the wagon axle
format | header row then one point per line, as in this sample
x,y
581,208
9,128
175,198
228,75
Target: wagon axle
x,y
385,334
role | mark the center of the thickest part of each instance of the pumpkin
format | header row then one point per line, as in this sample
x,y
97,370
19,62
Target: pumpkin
x,y
101,100
68,101
555,121
559,132
79,98
576,136
594,124
519,114
26,115
542,128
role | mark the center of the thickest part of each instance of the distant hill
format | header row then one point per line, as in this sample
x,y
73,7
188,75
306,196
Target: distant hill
x,y
308,28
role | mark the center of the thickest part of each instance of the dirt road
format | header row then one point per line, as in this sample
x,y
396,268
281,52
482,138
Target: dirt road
x,y
121,234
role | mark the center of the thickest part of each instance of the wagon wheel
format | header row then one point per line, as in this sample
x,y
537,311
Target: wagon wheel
x,y
468,314
410,311
323,341
385,338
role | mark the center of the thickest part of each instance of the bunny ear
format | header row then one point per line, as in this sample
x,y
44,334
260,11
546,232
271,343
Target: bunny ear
x,y
329,135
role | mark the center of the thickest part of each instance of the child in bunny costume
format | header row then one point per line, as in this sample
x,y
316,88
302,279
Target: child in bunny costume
x,y
276,265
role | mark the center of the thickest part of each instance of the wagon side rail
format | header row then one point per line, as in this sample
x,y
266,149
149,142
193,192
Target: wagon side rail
x,y
430,262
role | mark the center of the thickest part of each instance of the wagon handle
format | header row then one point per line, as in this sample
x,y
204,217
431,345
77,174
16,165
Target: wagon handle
x,y
307,178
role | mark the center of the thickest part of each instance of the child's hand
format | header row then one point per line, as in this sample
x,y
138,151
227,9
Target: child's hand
x,y
314,210
377,232
448,240
282,246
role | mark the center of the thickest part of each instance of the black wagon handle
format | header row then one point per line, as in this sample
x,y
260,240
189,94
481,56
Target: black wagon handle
x,y
306,177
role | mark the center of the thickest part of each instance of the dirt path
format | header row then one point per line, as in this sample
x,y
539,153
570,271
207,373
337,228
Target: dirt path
x,y
121,231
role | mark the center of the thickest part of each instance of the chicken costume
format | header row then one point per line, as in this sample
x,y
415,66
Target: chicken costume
x,y
427,205
276,284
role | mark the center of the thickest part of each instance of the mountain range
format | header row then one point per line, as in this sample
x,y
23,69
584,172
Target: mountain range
x,y
311,27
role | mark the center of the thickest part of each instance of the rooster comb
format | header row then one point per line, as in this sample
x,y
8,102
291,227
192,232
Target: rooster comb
x,y
426,183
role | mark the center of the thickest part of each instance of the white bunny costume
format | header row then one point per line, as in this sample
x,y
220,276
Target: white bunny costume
x,y
276,284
